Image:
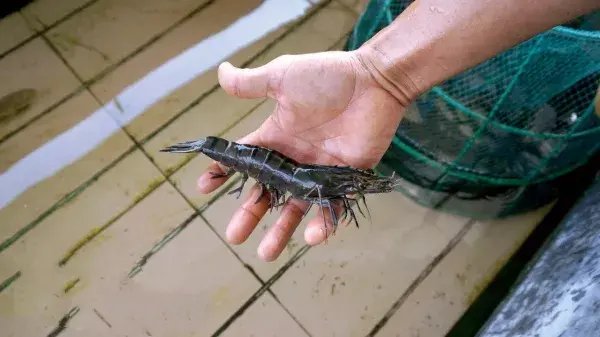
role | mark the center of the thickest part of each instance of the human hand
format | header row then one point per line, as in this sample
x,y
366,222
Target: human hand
x,y
330,110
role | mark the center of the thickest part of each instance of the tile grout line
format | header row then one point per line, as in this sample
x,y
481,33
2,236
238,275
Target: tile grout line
x,y
186,159
348,7
88,238
64,200
272,293
74,193
97,231
175,231
37,33
61,20
246,63
20,44
71,252
99,76
138,266
267,285
117,64
199,212
10,280
422,276
64,61
238,313
249,267
108,70
78,190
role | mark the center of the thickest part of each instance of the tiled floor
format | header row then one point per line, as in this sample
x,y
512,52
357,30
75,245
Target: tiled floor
x,y
98,226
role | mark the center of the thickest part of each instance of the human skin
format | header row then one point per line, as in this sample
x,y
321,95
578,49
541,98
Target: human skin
x,y
343,108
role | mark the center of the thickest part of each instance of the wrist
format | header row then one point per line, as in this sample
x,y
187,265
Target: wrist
x,y
389,74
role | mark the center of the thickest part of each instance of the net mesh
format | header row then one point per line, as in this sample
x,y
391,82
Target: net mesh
x,y
504,131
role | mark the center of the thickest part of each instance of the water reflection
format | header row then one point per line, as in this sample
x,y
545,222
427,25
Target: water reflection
x,y
73,144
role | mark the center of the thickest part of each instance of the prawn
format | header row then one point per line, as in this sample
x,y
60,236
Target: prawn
x,y
324,185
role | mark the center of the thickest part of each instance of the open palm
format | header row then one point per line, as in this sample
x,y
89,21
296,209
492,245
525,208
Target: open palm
x,y
330,110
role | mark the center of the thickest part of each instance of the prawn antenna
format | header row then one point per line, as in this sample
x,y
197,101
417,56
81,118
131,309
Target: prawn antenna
x,y
186,147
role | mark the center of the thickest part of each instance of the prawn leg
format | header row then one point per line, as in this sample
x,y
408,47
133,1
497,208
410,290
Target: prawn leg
x,y
345,213
349,208
358,206
307,209
281,203
352,215
334,218
322,208
274,195
241,188
277,198
366,207
227,173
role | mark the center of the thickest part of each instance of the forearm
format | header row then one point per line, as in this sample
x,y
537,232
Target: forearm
x,y
433,40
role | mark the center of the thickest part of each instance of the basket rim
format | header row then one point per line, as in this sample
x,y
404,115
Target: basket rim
x,y
574,32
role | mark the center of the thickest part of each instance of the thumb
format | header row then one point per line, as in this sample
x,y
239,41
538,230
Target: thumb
x,y
245,83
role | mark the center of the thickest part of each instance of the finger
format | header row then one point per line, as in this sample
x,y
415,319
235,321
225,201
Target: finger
x,y
245,83
316,231
280,233
206,183
247,217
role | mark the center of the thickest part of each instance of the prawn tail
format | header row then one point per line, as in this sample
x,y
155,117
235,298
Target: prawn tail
x,y
186,147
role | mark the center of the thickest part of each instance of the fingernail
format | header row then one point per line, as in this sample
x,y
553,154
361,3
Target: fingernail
x,y
314,235
267,246
202,183
227,64
232,233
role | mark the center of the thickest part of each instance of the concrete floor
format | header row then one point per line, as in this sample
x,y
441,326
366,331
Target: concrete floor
x,y
99,227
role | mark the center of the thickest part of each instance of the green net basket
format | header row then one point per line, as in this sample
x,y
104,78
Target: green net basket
x,y
500,138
